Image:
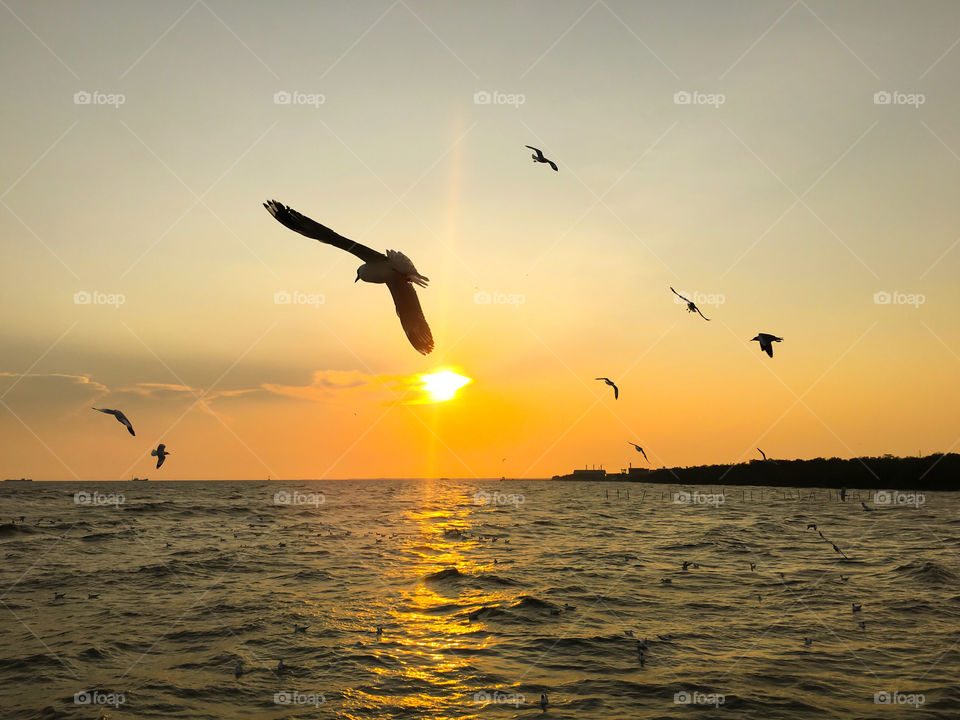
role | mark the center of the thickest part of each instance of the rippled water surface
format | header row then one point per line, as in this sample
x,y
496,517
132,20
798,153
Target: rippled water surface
x,y
488,593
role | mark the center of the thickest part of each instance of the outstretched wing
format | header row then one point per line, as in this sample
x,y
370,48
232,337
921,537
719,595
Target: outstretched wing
x,y
702,315
644,455
312,229
552,164
536,150
762,453
411,315
160,459
680,296
616,392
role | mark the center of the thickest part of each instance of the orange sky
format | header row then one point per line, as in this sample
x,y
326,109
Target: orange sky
x,y
787,196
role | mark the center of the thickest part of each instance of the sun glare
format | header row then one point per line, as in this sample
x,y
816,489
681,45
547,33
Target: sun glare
x,y
443,385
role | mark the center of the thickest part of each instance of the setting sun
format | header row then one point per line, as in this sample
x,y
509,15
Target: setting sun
x,y
443,385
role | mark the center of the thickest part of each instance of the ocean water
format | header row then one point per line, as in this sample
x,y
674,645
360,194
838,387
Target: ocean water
x,y
194,577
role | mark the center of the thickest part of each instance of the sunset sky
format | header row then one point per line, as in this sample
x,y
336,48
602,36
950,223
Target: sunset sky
x,y
785,195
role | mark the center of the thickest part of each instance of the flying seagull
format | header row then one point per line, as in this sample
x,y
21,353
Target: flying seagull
x,y
394,269
691,306
762,453
160,454
616,390
540,158
639,449
766,341
121,418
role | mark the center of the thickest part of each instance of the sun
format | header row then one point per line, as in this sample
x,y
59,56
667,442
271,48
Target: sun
x,y
443,385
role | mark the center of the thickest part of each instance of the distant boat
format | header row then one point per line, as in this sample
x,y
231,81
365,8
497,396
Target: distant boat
x,y
19,480
139,479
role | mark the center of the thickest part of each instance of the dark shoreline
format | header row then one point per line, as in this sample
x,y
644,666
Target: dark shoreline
x,y
933,472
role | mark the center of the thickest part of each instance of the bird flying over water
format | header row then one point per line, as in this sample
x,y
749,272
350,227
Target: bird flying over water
x,y
639,449
394,269
766,341
539,157
691,306
865,506
812,526
160,454
608,381
121,418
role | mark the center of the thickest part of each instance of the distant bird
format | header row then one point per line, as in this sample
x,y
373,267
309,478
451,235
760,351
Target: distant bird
x,y
544,701
379,631
691,306
812,526
844,578
568,607
868,509
843,494
762,453
766,341
628,633
59,596
759,598
856,608
280,666
666,581
539,157
92,596
666,638
394,269
160,454
686,564
807,641
300,628
753,566
643,644
238,670
863,624
121,418
616,390
639,449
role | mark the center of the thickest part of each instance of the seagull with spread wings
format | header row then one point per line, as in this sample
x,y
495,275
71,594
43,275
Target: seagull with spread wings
x,y
121,418
394,269
766,341
539,157
691,306
639,450
160,454
608,381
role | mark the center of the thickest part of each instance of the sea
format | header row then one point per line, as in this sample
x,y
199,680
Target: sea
x,y
476,599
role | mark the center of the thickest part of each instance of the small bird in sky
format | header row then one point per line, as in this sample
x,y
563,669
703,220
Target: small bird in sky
x,y
394,269
539,157
121,418
608,381
766,341
639,449
691,306
160,454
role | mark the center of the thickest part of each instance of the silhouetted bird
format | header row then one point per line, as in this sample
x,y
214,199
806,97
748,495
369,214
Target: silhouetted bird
x,y
280,666
238,670
691,306
856,608
59,596
544,701
92,596
766,341
160,454
394,269
300,628
540,158
863,624
121,418
639,449
865,506
608,381
812,526
753,566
